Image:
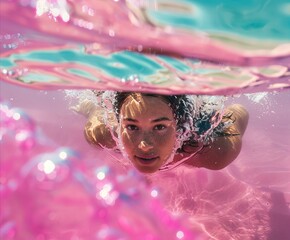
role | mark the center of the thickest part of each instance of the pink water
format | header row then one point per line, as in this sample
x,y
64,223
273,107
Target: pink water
x,y
250,199
247,200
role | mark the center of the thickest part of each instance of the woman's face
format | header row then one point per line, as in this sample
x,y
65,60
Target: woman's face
x,y
148,132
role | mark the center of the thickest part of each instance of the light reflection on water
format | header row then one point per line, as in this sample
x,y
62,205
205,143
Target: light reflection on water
x,y
248,199
232,47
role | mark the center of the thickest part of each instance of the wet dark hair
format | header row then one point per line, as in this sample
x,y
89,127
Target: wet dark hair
x,y
178,104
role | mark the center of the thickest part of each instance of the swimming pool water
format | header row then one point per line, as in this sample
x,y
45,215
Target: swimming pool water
x,y
213,47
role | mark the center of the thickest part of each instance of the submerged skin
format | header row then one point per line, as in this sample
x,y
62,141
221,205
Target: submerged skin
x,y
148,135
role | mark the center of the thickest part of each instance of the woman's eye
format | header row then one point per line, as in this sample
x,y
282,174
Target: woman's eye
x,y
132,127
159,127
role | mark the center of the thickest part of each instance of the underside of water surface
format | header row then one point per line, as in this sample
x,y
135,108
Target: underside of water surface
x,y
161,46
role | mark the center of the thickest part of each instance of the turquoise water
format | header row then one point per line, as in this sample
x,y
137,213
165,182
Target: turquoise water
x,y
261,19
212,47
76,68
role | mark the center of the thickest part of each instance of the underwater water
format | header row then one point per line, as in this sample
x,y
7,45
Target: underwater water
x,y
55,186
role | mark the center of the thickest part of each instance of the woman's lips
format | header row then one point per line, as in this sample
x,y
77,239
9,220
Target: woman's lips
x,y
147,159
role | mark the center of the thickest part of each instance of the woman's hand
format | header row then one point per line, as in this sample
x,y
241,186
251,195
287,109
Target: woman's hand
x,y
99,134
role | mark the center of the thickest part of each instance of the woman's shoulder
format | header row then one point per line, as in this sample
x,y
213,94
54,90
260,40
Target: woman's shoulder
x,y
223,145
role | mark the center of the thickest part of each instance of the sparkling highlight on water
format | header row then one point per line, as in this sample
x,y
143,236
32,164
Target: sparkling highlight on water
x,y
50,184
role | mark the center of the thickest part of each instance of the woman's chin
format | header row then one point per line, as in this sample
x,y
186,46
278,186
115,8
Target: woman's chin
x,y
147,170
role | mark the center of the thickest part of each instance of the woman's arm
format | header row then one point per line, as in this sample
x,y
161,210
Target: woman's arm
x,y
223,149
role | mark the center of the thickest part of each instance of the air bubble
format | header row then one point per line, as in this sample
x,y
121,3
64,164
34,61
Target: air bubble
x,y
5,71
154,193
11,73
111,33
9,46
134,78
179,234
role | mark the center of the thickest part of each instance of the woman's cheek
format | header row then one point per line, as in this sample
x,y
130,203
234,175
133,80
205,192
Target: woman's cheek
x,y
168,136
128,140
168,140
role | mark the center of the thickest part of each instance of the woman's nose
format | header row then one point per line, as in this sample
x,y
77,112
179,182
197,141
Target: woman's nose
x,y
146,141
145,146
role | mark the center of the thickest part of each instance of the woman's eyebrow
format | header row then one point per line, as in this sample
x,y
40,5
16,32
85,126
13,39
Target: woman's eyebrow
x,y
161,119
130,119
154,121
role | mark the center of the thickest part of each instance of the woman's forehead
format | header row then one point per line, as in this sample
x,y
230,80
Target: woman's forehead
x,y
147,105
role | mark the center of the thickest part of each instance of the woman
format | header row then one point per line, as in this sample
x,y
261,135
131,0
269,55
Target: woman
x,y
158,131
